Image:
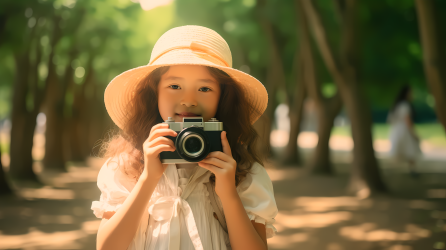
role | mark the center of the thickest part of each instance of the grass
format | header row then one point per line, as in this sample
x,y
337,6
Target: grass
x,y
430,132
4,147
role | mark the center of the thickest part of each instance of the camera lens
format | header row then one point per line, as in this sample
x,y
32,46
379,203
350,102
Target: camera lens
x,y
193,145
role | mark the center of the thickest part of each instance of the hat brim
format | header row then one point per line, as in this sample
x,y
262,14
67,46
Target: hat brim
x,y
120,90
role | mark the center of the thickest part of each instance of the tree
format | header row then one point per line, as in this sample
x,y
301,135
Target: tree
x,y
291,155
365,175
275,77
55,103
327,108
434,55
28,90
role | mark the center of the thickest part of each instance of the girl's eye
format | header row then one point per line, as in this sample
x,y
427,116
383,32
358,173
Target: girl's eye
x,y
205,89
174,87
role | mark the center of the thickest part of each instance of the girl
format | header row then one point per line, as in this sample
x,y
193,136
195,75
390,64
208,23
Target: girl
x,y
226,200
404,140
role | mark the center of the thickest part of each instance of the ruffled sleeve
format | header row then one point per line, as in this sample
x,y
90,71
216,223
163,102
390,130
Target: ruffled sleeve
x,y
257,195
115,186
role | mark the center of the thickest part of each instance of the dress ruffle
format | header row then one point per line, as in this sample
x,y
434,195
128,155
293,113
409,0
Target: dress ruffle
x,y
270,229
100,207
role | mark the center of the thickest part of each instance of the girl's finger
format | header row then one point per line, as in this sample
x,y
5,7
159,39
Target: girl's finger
x,y
225,144
162,132
214,161
157,126
161,148
160,140
210,167
220,155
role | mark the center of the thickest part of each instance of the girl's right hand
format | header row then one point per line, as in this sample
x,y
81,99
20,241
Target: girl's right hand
x,y
153,146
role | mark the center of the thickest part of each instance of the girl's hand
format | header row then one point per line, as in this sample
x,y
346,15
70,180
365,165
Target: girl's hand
x,y
223,166
153,146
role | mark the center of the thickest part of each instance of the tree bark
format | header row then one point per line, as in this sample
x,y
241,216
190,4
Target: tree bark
x,y
23,123
327,108
77,124
327,112
275,79
291,155
434,55
365,176
55,146
24,120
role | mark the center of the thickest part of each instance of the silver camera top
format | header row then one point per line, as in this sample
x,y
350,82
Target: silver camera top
x,y
212,125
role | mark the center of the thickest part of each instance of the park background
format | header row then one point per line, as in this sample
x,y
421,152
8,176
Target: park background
x,y
330,67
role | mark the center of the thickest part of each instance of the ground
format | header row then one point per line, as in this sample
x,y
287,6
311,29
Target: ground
x,y
314,211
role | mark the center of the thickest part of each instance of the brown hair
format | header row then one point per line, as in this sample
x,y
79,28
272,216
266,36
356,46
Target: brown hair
x,y
233,110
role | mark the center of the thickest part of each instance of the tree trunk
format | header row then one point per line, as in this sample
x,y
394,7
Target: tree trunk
x,y
23,124
327,112
54,137
291,155
77,126
22,136
23,120
4,186
275,79
327,108
55,144
434,55
365,177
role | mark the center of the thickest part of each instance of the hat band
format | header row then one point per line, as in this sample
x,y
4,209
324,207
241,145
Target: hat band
x,y
196,48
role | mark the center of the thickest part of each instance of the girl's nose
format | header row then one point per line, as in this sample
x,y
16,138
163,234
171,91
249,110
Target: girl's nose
x,y
188,100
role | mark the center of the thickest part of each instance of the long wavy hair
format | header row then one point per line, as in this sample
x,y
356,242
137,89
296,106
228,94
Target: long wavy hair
x,y
233,110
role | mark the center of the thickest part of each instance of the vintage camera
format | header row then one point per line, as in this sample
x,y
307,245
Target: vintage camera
x,y
194,141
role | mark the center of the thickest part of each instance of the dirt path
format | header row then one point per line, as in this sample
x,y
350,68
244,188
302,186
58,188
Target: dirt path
x,y
315,213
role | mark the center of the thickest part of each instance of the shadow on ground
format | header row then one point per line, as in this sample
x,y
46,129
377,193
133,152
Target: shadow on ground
x,y
315,212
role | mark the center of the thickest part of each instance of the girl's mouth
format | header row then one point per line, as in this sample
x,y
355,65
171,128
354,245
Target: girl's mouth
x,y
187,114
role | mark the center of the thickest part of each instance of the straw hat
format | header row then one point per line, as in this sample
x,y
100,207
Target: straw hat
x,y
191,45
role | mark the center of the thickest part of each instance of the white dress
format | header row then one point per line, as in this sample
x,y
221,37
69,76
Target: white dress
x,y
180,207
404,146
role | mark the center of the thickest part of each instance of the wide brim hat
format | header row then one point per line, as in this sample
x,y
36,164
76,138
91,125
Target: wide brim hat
x,y
184,45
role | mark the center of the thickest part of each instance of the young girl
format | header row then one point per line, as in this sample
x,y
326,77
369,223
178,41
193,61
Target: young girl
x,y
226,200
404,140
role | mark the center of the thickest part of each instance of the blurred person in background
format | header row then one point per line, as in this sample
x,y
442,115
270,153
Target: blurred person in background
x,y
405,143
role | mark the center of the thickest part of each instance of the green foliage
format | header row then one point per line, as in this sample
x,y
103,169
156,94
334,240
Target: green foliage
x,y
117,35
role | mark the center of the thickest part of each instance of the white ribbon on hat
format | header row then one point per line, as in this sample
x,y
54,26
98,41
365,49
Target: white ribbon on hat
x,y
168,208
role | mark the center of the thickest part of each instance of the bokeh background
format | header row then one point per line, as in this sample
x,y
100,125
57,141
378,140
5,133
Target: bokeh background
x,y
332,68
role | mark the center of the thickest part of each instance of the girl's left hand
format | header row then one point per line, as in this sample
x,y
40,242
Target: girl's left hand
x,y
223,166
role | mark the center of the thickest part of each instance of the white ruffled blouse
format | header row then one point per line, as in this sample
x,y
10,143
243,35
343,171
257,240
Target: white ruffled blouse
x,y
179,215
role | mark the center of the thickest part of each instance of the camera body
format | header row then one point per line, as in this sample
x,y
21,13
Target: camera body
x,y
194,141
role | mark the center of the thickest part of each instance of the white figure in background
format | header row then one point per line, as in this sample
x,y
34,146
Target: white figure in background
x,y
405,142
282,118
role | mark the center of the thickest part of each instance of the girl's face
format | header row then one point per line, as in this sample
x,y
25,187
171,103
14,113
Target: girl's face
x,y
188,91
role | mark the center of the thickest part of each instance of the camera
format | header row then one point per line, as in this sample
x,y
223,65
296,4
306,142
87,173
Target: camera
x,y
194,141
